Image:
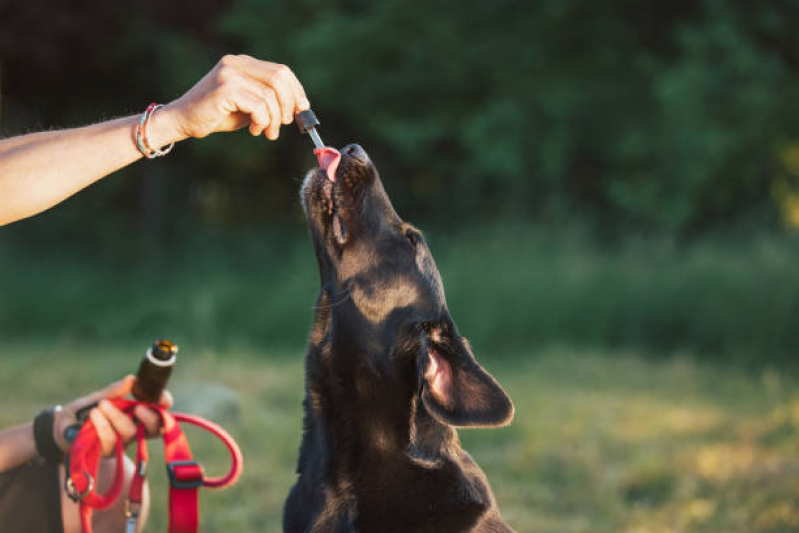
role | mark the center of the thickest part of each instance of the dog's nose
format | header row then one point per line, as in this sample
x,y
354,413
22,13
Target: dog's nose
x,y
355,151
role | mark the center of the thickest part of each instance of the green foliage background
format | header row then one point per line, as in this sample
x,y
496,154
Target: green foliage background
x,y
664,117
610,171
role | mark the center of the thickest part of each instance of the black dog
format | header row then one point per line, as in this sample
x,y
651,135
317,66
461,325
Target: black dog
x,y
387,376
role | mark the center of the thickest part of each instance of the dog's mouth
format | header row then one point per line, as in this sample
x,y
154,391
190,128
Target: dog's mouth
x,y
332,193
328,158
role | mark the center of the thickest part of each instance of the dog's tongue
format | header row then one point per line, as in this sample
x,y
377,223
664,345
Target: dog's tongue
x,y
328,161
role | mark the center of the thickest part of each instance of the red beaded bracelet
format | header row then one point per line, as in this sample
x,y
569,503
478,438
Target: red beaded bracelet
x,y
142,142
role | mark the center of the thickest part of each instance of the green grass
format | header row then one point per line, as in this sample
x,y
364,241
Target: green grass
x,y
509,287
602,441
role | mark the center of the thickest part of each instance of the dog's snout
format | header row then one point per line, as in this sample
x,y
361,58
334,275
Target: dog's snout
x,y
356,152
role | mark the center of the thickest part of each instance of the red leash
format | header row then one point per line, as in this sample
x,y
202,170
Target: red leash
x,y
185,474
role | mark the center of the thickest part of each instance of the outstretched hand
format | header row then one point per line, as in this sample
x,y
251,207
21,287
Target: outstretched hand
x,y
39,170
107,419
239,91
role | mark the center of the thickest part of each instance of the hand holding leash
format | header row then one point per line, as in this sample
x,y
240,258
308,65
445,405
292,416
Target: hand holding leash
x,y
186,475
109,421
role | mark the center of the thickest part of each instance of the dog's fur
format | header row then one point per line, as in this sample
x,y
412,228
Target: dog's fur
x,y
387,377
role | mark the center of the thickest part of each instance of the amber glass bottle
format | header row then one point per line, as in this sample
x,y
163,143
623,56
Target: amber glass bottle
x,y
154,371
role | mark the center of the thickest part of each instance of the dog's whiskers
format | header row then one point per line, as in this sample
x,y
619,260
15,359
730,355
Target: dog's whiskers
x,y
347,296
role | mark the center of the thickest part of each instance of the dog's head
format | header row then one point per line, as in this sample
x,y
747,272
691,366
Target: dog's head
x,y
382,316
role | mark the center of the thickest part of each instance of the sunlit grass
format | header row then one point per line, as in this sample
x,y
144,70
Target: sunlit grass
x,y
602,442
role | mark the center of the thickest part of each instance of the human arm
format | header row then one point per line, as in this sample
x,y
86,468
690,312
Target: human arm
x,y
17,445
39,170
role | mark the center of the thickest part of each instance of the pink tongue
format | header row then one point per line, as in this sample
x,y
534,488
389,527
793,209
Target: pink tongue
x,y
328,160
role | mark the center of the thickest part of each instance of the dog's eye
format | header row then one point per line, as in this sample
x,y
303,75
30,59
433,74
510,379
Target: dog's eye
x,y
412,237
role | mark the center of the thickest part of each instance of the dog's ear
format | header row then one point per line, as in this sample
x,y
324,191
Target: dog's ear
x,y
457,391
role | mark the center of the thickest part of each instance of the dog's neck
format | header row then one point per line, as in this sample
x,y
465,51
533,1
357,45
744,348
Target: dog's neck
x,y
385,422
369,445
371,453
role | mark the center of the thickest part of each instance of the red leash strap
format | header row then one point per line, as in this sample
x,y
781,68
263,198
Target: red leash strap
x,y
136,490
185,474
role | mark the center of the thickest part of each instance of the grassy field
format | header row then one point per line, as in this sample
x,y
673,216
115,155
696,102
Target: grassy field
x,y
509,287
602,442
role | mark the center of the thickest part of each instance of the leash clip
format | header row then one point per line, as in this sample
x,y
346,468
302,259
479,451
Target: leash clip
x,y
73,493
132,511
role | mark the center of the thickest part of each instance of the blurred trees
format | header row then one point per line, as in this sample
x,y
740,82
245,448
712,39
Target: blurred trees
x,y
669,117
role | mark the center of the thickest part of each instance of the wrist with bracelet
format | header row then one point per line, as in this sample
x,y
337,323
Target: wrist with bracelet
x,y
142,140
44,431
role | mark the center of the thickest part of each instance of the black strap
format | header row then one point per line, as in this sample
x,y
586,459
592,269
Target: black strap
x,y
43,435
